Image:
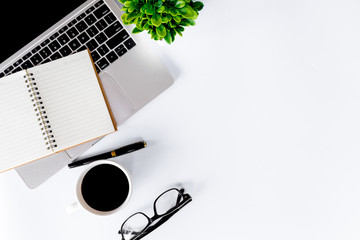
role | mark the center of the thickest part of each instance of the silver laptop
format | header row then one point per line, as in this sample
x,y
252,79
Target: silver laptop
x,y
37,33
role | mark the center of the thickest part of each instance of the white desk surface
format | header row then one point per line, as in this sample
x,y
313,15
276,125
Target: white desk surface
x,y
262,128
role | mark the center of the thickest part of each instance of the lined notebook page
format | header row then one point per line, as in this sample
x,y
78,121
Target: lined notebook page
x,y
20,137
73,100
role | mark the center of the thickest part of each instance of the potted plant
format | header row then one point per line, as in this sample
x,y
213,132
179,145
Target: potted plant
x,y
162,19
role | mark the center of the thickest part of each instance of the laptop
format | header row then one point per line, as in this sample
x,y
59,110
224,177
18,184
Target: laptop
x,y
37,32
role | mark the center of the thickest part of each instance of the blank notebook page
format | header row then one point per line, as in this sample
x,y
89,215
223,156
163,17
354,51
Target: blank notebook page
x,y
20,135
73,100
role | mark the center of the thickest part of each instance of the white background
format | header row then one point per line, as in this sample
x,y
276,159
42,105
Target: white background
x,y
262,128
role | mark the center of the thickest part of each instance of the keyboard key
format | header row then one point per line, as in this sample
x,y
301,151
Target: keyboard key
x,y
72,32
111,57
65,51
46,61
101,11
54,36
36,49
81,26
101,24
63,39
45,52
74,44
116,27
27,56
8,70
18,62
103,49
100,38
117,39
62,30
97,69
83,38
129,43
92,44
98,4
103,63
46,42
110,18
55,56
92,8
120,50
16,70
54,46
27,64
95,56
36,59
90,19
81,16
92,31
82,48
72,23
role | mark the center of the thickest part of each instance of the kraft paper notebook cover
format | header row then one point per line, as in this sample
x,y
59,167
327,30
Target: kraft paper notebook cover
x,y
50,108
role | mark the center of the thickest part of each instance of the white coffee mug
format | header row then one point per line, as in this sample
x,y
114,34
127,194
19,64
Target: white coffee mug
x,y
101,185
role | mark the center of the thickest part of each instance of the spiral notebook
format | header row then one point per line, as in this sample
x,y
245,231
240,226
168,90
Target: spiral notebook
x,y
50,108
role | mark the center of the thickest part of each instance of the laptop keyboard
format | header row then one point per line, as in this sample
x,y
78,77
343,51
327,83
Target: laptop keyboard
x,y
96,29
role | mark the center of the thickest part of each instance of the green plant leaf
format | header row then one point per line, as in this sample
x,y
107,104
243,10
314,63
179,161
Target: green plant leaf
x,y
149,11
156,20
174,12
161,31
122,1
124,16
161,9
172,24
181,29
187,22
152,33
177,18
128,3
178,31
180,4
158,3
167,18
172,2
168,37
147,26
131,9
173,34
143,22
136,30
197,5
131,16
188,12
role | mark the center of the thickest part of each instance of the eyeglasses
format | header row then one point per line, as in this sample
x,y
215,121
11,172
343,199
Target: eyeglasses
x,y
166,205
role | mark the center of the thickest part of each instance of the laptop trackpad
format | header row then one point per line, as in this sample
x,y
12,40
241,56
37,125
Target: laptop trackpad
x,y
120,104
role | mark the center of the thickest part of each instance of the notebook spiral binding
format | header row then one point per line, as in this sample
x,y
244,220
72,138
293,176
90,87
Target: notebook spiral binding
x,y
39,108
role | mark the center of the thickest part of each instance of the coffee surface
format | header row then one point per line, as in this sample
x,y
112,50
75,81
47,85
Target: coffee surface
x,y
105,187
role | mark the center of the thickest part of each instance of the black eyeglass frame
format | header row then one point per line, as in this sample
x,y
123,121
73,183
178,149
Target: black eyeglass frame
x,y
186,198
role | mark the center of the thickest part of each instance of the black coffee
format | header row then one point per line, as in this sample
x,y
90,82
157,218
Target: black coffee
x,y
105,187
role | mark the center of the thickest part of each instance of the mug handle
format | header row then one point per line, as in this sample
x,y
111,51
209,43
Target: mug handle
x,y
72,208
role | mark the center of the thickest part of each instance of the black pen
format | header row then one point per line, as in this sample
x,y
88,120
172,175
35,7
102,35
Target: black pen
x,y
118,152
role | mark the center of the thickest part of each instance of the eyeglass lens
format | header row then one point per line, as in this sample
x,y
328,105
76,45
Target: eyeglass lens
x,y
167,201
139,221
134,225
